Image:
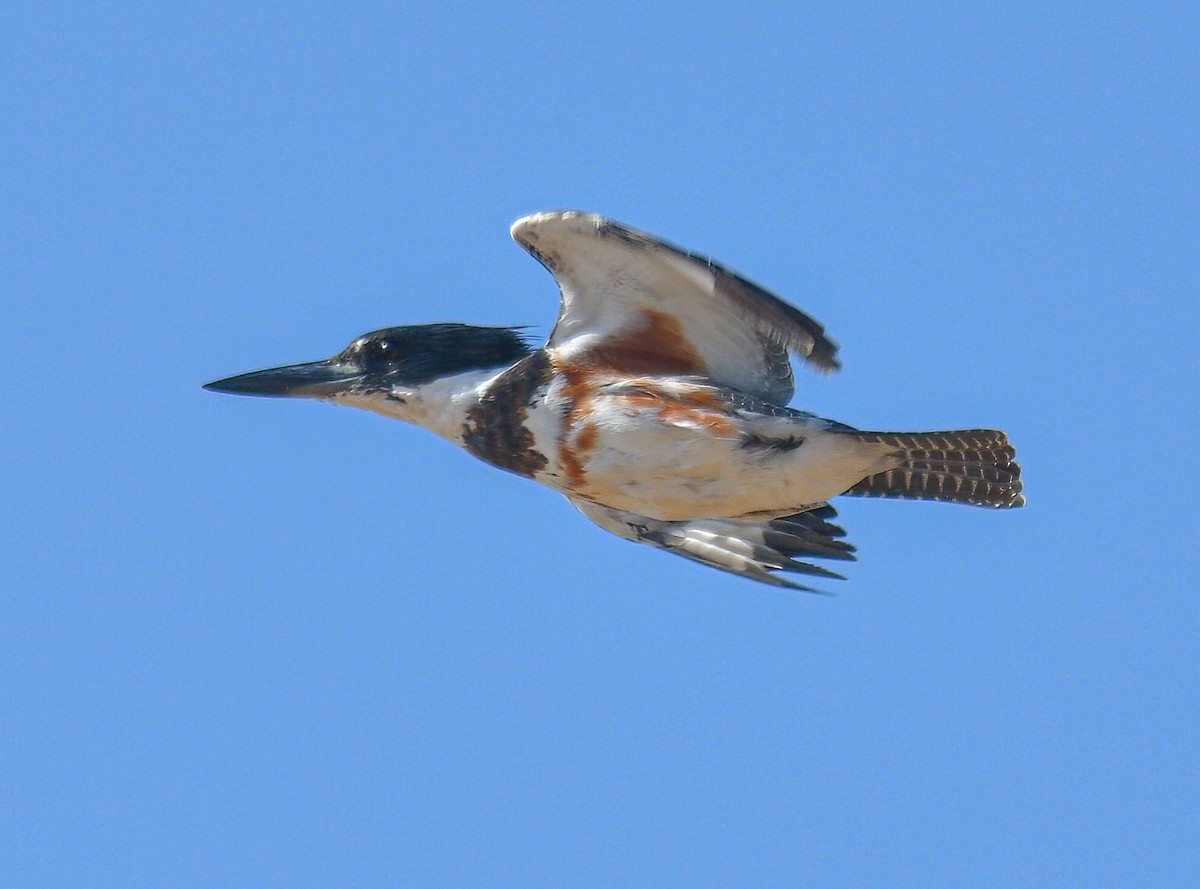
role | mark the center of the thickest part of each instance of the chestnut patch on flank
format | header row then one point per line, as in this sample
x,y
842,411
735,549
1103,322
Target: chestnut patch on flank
x,y
586,439
495,431
693,407
657,346
578,392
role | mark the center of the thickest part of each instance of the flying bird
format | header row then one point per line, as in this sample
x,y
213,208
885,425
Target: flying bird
x,y
657,406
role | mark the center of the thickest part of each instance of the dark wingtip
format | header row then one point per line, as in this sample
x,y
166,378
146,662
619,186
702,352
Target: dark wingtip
x,y
824,356
790,585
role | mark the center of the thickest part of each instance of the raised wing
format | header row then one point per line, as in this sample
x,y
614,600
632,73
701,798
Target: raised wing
x,y
751,549
635,304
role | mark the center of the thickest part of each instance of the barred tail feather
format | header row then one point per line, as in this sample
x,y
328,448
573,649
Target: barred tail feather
x,y
974,466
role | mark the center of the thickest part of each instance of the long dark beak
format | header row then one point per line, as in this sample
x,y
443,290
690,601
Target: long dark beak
x,y
317,379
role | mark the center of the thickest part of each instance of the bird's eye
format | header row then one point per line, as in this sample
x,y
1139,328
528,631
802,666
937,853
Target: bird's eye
x,y
380,353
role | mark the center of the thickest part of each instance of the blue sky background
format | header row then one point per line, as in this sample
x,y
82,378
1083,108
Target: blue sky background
x,y
254,643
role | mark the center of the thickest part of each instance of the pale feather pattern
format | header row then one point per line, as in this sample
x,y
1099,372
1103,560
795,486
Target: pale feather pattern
x,y
609,275
754,549
677,448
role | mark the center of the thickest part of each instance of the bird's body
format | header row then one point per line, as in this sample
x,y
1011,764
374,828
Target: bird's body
x,y
667,447
656,405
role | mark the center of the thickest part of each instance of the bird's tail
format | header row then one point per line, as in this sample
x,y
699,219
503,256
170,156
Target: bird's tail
x,y
974,466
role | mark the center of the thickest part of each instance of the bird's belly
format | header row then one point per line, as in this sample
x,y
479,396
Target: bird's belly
x,y
679,480
678,466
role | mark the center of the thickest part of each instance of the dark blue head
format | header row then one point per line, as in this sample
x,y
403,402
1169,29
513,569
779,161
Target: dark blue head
x,y
421,353
387,363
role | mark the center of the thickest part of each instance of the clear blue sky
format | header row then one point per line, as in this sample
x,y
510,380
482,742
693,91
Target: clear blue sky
x,y
257,643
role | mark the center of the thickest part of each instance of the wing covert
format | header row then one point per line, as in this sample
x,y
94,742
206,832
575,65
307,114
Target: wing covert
x,y
635,303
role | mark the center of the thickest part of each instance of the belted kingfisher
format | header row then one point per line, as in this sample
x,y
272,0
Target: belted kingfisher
x,y
656,406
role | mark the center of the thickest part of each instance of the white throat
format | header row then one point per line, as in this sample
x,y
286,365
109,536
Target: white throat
x,y
440,406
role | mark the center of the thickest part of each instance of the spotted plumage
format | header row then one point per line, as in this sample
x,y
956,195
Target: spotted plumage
x,y
657,406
